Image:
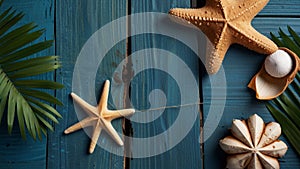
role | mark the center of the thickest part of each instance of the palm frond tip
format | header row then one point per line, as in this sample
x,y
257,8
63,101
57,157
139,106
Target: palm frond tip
x,y
286,108
20,94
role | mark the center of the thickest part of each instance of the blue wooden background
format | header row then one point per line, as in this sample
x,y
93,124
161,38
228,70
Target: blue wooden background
x,y
72,22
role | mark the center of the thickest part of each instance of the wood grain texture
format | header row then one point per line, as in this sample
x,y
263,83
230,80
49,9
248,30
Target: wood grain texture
x,y
186,154
76,21
16,153
240,65
278,8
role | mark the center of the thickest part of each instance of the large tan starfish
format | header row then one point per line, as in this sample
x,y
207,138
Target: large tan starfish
x,y
226,22
99,117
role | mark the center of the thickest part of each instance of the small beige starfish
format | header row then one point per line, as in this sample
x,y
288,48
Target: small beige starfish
x,y
99,117
226,22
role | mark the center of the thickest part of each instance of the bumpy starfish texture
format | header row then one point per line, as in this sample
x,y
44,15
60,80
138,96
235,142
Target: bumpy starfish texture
x,y
226,22
253,145
99,117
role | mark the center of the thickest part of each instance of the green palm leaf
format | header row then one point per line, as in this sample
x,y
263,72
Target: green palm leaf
x,y
20,95
286,108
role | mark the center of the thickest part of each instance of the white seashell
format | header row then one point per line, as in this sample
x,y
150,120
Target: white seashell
x,y
240,130
238,161
278,64
271,133
256,127
268,87
276,149
255,163
233,146
268,162
263,149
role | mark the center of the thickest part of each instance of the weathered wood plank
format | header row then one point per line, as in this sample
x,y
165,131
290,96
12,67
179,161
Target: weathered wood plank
x,y
76,21
289,8
186,154
15,152
240,65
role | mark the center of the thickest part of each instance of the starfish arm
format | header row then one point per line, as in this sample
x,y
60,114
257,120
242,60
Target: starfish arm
x,y
95,137
107,126
104,97
87,107
252,39
246,10
83,123
114,114
213,3
216,51
197,16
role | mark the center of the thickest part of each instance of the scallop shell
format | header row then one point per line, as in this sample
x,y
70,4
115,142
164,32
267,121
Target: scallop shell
x,y
271,133
268,87
256,127
239,161
255,163
263,149
233,146
239,130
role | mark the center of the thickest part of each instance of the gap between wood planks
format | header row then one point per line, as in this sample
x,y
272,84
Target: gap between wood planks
x,y
199,4
127,75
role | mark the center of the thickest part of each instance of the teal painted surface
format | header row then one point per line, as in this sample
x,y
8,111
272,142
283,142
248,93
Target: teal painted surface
x,y
288,8
187,153
15,152
74,21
